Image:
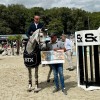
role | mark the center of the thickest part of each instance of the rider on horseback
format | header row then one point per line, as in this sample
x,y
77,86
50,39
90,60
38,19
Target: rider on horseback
x,y
32,28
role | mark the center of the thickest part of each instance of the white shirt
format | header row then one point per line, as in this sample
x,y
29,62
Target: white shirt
x,y
68,44
56,45
36,25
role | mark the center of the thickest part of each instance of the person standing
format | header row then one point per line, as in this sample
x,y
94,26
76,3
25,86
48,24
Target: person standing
x,y
68,47
34,26
57,67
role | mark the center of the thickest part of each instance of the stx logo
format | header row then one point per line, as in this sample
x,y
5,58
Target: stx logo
x,y
89,37
28,59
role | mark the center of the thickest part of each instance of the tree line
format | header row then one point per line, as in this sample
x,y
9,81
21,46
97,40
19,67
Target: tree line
x,y
15,19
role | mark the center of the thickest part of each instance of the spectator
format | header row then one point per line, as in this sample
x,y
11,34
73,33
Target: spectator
x,y
58,67
68,47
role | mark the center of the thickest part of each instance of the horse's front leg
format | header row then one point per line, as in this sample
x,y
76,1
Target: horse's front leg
x,y
37,89
30,79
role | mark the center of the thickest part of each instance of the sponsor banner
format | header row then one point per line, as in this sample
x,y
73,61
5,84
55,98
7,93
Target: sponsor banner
x,y
52,57
87,37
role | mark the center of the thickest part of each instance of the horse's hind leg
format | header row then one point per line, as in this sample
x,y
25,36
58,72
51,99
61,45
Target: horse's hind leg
x,y
30,79
49,74
37,89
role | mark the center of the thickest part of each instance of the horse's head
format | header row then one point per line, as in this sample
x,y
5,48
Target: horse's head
x,y
39,37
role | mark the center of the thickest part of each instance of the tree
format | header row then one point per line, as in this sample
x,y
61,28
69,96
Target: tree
x,y
94,19
79,24
16,18
4,29
55,26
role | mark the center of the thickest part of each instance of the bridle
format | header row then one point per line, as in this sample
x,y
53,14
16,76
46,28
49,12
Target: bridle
x,y
40,43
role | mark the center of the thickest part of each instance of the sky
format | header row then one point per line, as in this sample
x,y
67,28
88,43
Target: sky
x,y
88,5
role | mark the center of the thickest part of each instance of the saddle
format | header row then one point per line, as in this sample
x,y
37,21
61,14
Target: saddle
x,y
33,59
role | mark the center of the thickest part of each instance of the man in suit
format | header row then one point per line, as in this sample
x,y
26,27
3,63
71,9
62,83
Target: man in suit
x,y
34,26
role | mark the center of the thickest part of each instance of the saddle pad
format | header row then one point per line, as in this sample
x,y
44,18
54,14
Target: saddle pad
x,y
33,59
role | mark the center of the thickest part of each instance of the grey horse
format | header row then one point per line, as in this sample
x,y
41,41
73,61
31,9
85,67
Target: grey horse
x,y
32,56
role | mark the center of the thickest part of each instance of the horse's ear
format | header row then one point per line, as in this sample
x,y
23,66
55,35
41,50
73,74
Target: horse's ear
x,y
44,29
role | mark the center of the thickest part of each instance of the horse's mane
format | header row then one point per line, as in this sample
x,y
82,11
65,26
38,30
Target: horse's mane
x,y
32,41
37,31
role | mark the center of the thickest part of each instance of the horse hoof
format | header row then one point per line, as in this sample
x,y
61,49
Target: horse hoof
x,y
37,90
29,88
